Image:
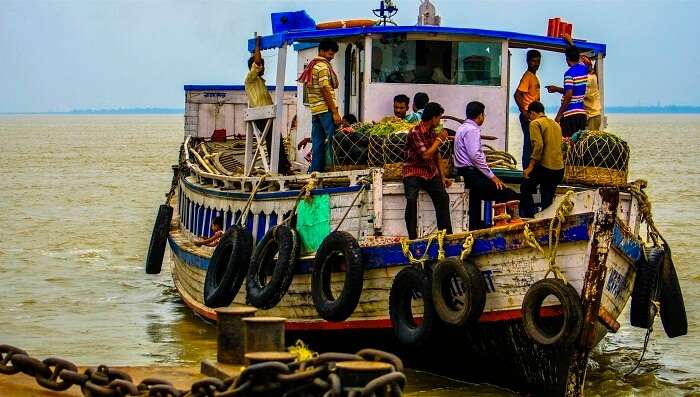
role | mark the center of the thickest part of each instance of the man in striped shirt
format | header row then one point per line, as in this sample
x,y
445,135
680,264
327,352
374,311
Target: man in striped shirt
x,y
572,115
422,170
320,83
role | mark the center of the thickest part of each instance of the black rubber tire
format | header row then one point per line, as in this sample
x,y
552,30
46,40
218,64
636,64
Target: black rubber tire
x,y
282,241
672,312
228,267
337,247
445,284
159,237
646,289
572,313
406,283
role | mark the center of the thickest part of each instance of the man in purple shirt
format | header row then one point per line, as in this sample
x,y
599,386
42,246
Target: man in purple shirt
x,y
470,163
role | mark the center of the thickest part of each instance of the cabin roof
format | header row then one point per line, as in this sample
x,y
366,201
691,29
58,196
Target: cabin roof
x,y
516,40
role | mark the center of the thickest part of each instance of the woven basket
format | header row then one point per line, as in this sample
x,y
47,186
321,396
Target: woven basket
x,y
375,155
350,149
597,158
594,176
393,172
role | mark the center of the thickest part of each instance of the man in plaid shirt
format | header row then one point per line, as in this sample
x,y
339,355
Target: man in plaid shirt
x,y
422,170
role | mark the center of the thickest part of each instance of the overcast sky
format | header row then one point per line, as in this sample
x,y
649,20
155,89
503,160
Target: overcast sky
x,y
62,55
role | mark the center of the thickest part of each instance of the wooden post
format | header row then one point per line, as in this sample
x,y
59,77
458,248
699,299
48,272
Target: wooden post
x,y
279,109
593,284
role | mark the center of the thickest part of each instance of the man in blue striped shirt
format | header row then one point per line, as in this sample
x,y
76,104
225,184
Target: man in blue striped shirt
x,y
572,115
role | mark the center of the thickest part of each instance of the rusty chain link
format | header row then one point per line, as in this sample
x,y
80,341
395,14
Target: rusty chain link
x,y
314,377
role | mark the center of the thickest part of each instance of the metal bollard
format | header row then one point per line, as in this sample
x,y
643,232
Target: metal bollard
x,y
264,334
230,331
263,357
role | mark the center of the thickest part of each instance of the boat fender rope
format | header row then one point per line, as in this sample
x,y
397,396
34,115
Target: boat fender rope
x,y
563,210
439,236
646,340
467,246
248,203
365,182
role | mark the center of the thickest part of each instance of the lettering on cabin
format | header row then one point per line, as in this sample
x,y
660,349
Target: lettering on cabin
x,y
616,283
488,280
214,94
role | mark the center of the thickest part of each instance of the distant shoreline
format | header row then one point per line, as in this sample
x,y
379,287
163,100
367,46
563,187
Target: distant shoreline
x,y
673,109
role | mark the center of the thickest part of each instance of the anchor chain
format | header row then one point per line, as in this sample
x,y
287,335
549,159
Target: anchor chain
x,y
316,376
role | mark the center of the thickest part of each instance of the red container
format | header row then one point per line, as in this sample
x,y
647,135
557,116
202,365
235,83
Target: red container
x,y
550,26
566,28
557,27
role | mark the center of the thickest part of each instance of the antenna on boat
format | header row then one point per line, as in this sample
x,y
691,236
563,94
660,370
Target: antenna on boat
x,y
385,11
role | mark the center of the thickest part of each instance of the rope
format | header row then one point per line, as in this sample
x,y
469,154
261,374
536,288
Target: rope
x,y
646,339
304,193
636,190
563,210
250,201
365,183
301,351
467,246
439,235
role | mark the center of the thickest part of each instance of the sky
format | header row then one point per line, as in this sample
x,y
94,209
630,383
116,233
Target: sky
x,y
60,55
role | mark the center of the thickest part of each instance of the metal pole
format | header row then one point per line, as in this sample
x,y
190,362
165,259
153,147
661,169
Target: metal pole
x,y
279,127
601,89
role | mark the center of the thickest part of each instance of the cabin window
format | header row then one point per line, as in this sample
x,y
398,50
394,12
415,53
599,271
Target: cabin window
x,y
436,62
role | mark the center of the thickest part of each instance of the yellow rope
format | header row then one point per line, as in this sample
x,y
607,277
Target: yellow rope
x,y
555,224
636,190
467,246
439,235
301,351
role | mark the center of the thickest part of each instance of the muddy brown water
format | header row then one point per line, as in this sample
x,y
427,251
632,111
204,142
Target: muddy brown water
x,y
80,194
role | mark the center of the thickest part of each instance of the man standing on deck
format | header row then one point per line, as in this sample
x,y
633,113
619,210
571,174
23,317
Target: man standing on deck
x,y
470,162
571,114
320,82
419,102
422,170
258,96
546,168
527,92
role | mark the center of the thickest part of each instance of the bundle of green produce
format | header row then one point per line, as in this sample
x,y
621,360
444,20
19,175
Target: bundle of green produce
x,y
499,159
351,146
390,126
597,158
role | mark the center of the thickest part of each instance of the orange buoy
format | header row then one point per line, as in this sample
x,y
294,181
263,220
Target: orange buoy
x,y
347,23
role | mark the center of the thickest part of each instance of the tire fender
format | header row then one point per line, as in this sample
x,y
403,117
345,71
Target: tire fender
x,y
228,267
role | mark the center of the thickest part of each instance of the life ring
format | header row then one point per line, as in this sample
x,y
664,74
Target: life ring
x,y
228,267
281,241
347,23
459,293
672,312
572,313
409,284
339,251
646,289
159,237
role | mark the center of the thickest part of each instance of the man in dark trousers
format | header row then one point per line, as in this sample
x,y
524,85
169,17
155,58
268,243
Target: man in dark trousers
x,y
422,170
470,162
546,168
572,114
527,92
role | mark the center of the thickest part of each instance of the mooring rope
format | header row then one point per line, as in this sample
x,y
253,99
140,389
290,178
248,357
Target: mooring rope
x,y
555,224
467,246
439,236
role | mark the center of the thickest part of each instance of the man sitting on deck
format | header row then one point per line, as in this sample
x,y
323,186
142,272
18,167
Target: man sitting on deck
x,y
470,161
422,170
258,96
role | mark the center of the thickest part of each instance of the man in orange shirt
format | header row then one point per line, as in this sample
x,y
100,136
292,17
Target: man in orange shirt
x,y
528,91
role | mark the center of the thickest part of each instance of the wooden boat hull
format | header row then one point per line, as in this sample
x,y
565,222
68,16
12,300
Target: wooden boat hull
x,y
498,349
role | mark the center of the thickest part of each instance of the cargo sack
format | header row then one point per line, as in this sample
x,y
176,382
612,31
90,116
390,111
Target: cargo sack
x,y
351,148
313,221
596,158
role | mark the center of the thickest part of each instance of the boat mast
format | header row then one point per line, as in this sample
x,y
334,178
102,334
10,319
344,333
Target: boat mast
x,y
279,127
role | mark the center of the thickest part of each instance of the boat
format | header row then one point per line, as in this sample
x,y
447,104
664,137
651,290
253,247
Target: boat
x,y
521,303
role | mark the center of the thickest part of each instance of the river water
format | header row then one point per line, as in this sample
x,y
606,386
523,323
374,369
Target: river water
x,y
80,197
